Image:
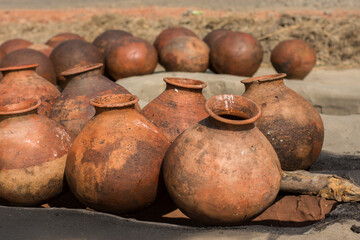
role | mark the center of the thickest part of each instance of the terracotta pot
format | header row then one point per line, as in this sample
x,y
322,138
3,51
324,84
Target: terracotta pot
x,y
14,44
43,48
236,53
73,53
114,163
22,82
29,56
170,33
223,170
293,57
62,37
177,108
72,109
33,151
291,124
108,38
132,56
2,55
185,54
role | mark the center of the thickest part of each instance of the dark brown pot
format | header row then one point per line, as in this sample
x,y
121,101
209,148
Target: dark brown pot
x,y
108,38
33,152
223,170
236,53
185,54
72,109
291,124
43,48
22,82
132,56
29,56
62,37
14,44
293,57
169,34
114,163
73,53
180,106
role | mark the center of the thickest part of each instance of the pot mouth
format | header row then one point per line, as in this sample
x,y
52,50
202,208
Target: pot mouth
x,y
20,67
114,100
185,82
233,109
81,69
22,106
265,78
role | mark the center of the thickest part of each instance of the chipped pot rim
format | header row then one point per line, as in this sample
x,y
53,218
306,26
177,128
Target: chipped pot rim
x,y
188,83
265,78
114,100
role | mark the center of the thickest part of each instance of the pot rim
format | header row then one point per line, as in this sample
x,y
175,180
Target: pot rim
x,y
20,67
114,100
265,78
22,106
179,82
81,69
229,100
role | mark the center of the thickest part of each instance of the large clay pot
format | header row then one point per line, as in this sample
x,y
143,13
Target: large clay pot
x,y
293,57
23,82
223,170
177,108
114,163
14,44
236,53
72,109
33,152
54,41
29,56
291,124
109,38
43,48
185,54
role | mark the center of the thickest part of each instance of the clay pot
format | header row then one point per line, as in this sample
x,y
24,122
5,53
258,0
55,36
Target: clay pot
x,y
236,53
2,55
108,38
177,108
169,34
132,56
185,54
29,56
291,124
114,163
293,57
14,44
72,109
223,170
73,53
43,48
33,152
22,82
62,37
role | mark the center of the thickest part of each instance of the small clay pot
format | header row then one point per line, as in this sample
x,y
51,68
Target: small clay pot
x,y
114,163
29,56
236,53
43,48
131,56
170,33
223,170
290,123
108,38
185,54
293,57
62,37
177,108
22,82
14,44
33,152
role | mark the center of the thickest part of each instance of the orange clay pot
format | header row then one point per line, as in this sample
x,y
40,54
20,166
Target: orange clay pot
x,y
291,124
14,44
107,39
223,170
114,163
72,109
180,106
62,37
23,82
33,151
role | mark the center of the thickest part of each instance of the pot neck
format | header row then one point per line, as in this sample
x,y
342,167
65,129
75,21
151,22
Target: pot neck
x,y
82,73
19,70
25,107
114,102
184,85
275,80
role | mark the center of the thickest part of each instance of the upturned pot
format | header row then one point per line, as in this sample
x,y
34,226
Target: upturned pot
x,y
185,54
73,109
293,57
109,38
290,123
22,82
116,169
177,108
33,152
54,41
223,170
14,44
